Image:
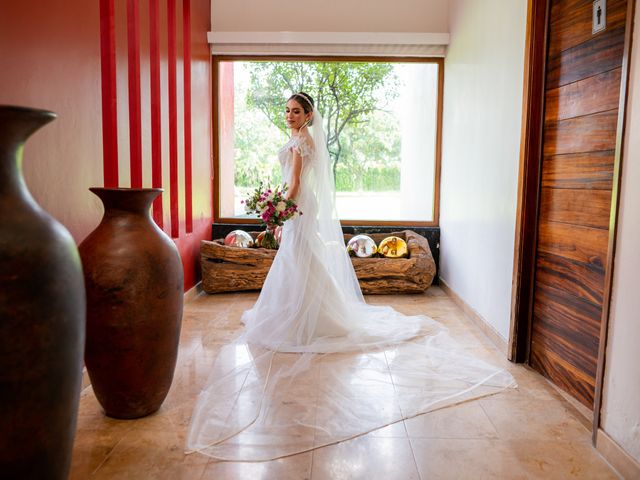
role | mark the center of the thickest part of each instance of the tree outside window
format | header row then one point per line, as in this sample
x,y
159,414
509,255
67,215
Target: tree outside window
x,y
380,119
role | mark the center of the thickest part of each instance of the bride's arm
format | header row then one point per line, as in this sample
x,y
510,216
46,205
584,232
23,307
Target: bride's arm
x,y
296,169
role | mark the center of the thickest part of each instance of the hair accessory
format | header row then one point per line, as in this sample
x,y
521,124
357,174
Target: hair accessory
x,y
307,98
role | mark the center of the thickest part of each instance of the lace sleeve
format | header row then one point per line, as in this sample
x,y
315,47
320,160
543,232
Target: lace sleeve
x,y
304,146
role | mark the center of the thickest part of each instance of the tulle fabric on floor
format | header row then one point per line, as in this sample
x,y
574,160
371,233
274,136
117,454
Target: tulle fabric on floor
x,y
316,364
262,405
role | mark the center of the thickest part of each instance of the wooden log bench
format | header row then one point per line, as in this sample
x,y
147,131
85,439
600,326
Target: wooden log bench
x,y
232,269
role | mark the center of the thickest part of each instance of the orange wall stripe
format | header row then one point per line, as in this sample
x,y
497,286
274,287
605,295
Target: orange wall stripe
x,y
156,124
135,128
173,119
186,35
109,100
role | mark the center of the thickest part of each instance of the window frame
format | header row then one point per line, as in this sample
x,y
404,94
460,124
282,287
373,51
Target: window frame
x,y
217,59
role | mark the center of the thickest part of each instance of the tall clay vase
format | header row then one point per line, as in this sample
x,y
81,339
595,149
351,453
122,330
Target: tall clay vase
x,y
134,281
42,313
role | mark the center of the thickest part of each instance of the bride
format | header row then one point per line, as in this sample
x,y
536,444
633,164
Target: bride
x,y
316,364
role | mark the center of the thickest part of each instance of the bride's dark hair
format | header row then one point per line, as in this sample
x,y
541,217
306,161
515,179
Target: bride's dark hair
x,y
305,100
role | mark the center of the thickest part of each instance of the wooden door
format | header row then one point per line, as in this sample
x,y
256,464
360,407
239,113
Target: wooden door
x,y
582,93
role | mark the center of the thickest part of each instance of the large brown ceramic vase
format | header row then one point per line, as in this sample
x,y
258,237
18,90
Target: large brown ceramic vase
x,y
42,311
134,281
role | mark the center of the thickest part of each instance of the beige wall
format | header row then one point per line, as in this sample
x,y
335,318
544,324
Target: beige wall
x,y
621,402
481,145
426,16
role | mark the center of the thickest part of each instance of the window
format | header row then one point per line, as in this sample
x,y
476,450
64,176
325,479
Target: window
x,y
382,118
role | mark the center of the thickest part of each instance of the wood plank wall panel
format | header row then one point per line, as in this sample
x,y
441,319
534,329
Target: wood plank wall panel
x,y
572,380
577,278
591,95
586,59
580,124
592,170
590,208
554,314
575,358
571,22
570,135
578,243
577,312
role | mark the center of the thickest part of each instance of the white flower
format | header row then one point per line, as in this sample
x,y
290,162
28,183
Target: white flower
x,y
281,206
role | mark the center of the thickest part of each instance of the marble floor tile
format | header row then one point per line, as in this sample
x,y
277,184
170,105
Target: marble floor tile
x,y
396,430
297,467
152,453
366,458
528,432
522,417
490,459
466,420
91,450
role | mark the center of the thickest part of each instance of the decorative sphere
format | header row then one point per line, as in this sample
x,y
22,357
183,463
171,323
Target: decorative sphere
x,y
361,246
238,238
393,247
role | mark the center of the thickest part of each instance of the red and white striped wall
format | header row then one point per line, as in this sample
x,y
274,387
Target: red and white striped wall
x,y
155,36
156,109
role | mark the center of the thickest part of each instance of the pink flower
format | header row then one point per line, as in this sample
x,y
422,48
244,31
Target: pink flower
x,y
271,206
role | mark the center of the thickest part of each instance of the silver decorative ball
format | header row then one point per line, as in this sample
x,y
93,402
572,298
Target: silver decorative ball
x,y
361,246
238,238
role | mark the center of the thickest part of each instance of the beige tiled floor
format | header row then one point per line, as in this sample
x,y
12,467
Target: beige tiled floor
x,y
530,432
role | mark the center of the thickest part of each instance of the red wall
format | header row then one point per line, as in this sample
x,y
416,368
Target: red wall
x,y
51,58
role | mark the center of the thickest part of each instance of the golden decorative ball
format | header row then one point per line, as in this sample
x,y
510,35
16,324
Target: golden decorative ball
x,y
361,246
393,247
238,238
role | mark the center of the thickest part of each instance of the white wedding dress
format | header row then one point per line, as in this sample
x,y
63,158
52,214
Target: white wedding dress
x,y
316,365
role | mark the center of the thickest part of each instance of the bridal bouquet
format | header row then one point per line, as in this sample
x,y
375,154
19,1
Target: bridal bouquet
x,y
272,208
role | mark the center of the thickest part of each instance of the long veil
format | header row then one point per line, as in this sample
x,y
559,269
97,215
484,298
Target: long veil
x,y
322,185
316,364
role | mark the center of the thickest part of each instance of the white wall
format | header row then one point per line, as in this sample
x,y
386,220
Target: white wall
x,y
621,402
481,145
425,16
